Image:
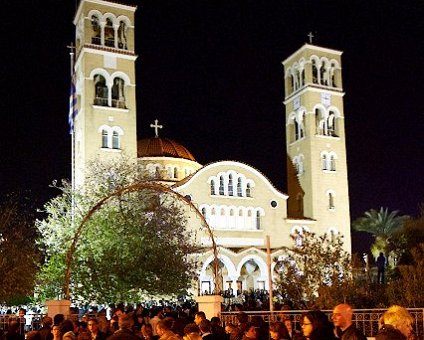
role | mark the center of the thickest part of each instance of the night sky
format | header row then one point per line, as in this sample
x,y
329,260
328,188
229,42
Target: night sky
x,y
211,72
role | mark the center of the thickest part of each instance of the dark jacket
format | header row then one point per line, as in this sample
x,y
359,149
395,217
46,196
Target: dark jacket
x,y
351,333
388,332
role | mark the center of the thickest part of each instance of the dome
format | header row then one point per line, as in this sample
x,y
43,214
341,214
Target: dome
x,y
162,147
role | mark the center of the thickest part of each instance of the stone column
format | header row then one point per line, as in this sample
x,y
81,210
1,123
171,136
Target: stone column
x,y
210,304
58,307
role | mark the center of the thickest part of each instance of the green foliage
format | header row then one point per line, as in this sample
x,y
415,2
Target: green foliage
x,y
19,256
135,244
382,224
316,271
408,237
407,289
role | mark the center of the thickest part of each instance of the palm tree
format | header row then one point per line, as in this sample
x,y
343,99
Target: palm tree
x,y
381,224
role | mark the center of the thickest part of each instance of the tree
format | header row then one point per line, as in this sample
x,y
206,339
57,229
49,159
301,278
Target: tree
x,y
382,225
19,255
411,235
313,270
136,244
407,289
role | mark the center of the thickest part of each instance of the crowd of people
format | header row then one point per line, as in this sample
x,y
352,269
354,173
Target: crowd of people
x,y
172,324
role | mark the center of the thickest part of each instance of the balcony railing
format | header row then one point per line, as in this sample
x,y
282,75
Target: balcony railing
x,y
366,320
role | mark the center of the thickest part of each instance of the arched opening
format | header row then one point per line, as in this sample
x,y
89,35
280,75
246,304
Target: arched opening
x,y
213,187
109,33
230,185
116,143
221,185
101,91
118,93
96,37
105,136
122,36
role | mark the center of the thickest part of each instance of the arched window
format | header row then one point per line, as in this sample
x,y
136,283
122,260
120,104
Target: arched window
x,y
221,185
292,82
230,185
97,31
122,36
331,205
332,162
322,73
105,135
204,212
248,189
213,187
115,140
258,220
109,33
297,119
239,189
331,123
175,172
101,91
302,77
314,72
118,93
324,162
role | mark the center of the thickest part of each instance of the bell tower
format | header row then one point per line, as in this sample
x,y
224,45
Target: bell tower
x,y
316,137
104,73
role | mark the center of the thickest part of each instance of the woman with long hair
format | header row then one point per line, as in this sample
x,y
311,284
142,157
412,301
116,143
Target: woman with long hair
x,y
278,331
316,326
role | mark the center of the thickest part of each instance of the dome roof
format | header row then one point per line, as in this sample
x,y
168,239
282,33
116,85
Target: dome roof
x,y
162,147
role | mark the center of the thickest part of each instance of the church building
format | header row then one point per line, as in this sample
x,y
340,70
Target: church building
x,y
241,206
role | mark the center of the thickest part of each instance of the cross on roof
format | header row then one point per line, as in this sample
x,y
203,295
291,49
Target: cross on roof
x,y
311,37
156,127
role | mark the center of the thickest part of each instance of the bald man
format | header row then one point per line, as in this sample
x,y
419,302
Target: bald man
x,y
345,329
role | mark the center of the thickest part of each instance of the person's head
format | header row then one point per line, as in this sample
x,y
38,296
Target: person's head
x,y
192,332
192,336
399,318
242,317
314,322
56,332
199,316
66,326
47,321
215,321
277,330
58,319
163,326
230,328
22,312
93,325
251,331
289,324
205,326
191,328
13,326
126,321
342,316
